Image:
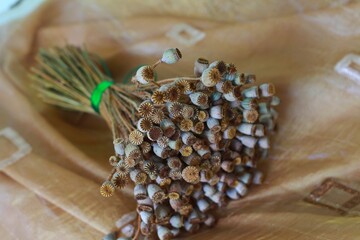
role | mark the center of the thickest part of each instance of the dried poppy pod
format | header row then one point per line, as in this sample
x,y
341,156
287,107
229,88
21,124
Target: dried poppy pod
x,y
145,205
259,130
138,176
267,89
119,146
198,128
171,56
220,65
175,174
162,214
172,94
232,194
145,109
188,112
186,150
113,160
216,112
229,132
186,125
190,174
199,98
177,221
193,160
247,129
155,193
204,153
151,169
213,124
183,85
227,166
160,151
251,92
144,124
247,141
145,147
157,116
119,180
174,163
210,77
163,233
136,137
188,138
163,142
132,151
154,133
264,143
140,192
249,103
200,65
203,116
174,109
230,96
145,75
147,217
264,108
158,97
250,116
194,217
122,168
239,79
168,127
174,190
107,189
224,87
163,181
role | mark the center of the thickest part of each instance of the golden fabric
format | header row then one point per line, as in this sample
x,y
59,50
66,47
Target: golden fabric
x,y
53,192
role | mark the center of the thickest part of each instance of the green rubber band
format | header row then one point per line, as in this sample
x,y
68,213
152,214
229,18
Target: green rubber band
x,y
97,94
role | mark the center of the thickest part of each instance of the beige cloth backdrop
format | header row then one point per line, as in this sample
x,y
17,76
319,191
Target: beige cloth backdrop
x,y
52,192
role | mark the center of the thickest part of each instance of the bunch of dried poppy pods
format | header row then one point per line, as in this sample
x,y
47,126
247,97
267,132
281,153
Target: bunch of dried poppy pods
x,y
196,146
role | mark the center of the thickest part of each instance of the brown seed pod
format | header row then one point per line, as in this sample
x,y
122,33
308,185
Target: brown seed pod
x,y
188,112
155,133
145,109
158,97
145,147
186,125
210,77
145,74
113,160
136,137
175,174
175,109
138,177
155,193
183,85
122,168
172,94
157,116
190,174
198,128
151,169
163,142
186,150
200,65
203,116
250,116
107,189
144,124
119,180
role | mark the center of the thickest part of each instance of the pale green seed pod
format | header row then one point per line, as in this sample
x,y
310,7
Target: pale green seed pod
x,y
171,56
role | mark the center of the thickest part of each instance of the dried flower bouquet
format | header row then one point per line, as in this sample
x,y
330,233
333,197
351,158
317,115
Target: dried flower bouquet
x,y
188,144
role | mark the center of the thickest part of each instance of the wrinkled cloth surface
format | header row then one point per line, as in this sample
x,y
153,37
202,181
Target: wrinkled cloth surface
x,y
53,191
